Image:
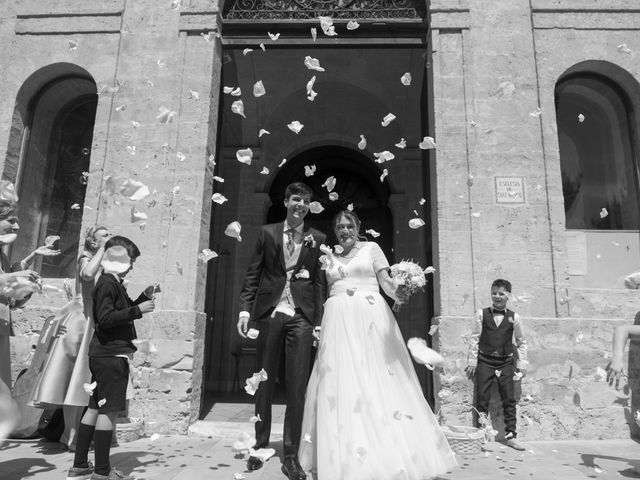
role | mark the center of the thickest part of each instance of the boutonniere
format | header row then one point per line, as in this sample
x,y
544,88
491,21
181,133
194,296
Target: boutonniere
x,y
302,273
309,241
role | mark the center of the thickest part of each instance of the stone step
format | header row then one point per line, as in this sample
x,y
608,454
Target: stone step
x,y
230,430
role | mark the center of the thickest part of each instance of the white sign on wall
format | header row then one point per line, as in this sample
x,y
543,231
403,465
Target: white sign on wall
x,y
509,189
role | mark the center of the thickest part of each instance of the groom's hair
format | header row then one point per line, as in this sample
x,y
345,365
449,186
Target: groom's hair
x,y
298,188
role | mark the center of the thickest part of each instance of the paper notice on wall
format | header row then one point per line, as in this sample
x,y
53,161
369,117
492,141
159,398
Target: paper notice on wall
x,y
577,252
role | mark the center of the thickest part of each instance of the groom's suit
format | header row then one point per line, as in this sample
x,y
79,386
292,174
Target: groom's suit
x,y
276,276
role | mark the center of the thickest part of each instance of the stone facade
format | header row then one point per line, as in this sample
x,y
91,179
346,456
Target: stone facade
x,y
490,66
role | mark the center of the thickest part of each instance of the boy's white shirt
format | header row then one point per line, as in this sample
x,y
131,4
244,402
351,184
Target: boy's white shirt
x,y
518,335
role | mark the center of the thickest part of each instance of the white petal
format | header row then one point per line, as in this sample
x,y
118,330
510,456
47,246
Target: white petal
x,y
295,126
207,255
333,196
385,172
536,113
314,33
238,108
406,79
244,155
253,333
281,164
218,179
580,118
218,198
236,92
622,48
604,213
402,143
427,143
309,170
416,223
262,47
316,207
362,144
165,115
330,183
353,25
312,64
384,156
273,36
247,50
264,171
350,207
181,156
258,89
138,216
422,201
233,230
311,95
131,149
263,132
390,117
372,232
193,94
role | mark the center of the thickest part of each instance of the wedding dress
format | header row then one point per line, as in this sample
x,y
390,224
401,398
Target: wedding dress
x,y
365,415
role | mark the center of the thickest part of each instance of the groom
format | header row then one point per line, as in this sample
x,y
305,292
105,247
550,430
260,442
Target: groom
x,y
284,291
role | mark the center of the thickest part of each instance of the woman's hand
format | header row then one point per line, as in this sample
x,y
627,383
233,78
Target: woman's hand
x,y
46,251
402,294
615,372
151,290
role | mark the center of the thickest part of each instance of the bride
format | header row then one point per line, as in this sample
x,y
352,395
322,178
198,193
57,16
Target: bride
x,y
365,417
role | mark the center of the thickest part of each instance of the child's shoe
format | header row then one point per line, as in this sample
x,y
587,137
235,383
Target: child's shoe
x,y
77,473
515,444
113,475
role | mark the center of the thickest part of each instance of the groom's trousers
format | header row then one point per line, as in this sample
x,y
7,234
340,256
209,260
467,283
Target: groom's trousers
x,y
296,334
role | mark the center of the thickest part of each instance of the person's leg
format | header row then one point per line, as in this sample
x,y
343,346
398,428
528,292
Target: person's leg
x,y
102,439
507,395
298,341
485,376
72,418
268,357
85,431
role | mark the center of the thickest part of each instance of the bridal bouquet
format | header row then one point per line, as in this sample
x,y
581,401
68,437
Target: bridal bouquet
x,y
409,275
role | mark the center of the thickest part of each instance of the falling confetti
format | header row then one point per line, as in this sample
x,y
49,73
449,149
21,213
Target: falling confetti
x,y
247,50
316,207
475,214
273,36
181,156
102,402
326,24
281,164
353,25
311,95
263,132
362,144
218,179
309,170
134,189
295,126
333,196
255,418
390,117
580,118
238,108
422,354
89,387
262,47
175,4
135,124
121,108
422,201
433,329
73,45
603,213
622,48
406,79
313,64
208,36
207,255
165,115
314,33
402,143
429,270
236,92
385,156
233,230
416,223
138,216
258,89
372,232
264,171
253,333
330,183
75,206
245,155
385,172
238,476
131,149
427,143
218,198
350,207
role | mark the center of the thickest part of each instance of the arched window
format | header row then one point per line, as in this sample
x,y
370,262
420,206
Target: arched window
x,y
596,133
54,119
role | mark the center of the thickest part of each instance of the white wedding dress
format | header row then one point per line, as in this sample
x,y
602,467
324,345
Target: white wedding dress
x,y
365,417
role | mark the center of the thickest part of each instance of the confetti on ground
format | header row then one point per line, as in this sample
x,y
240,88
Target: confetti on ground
x,y
390,117
244,442
406,79
135,124
427,143
233,230
207,255
505,88
138,216
313,64
295,126
416,223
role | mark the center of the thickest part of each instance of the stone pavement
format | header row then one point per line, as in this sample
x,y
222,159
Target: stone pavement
x,y
194,458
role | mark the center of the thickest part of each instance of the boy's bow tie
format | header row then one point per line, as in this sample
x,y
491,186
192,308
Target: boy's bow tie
x,y
499,312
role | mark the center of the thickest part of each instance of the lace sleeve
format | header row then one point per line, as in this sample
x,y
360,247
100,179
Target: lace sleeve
x,y
377,257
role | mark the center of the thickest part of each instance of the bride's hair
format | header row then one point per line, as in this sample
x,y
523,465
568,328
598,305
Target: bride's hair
x,y
351,216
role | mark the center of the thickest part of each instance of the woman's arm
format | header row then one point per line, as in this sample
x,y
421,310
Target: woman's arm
x,y
88,268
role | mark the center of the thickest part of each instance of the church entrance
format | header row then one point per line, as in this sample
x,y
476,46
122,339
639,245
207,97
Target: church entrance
x,y
268,112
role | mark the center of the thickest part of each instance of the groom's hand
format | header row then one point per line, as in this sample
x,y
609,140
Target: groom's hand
x,y
243,325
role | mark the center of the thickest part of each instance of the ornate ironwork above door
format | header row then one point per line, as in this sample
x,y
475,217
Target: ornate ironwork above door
x,y
310,9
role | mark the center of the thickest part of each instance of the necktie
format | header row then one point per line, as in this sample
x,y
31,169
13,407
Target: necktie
x,y
290,243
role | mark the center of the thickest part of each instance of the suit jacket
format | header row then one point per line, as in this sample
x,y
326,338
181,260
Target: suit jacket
x,y
266,275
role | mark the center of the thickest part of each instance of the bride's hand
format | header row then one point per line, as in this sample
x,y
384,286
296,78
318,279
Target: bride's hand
x,y
402,294
316,333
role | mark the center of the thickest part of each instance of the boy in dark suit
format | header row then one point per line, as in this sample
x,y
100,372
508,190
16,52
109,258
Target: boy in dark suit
x,y
283,292
491,356
109,352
